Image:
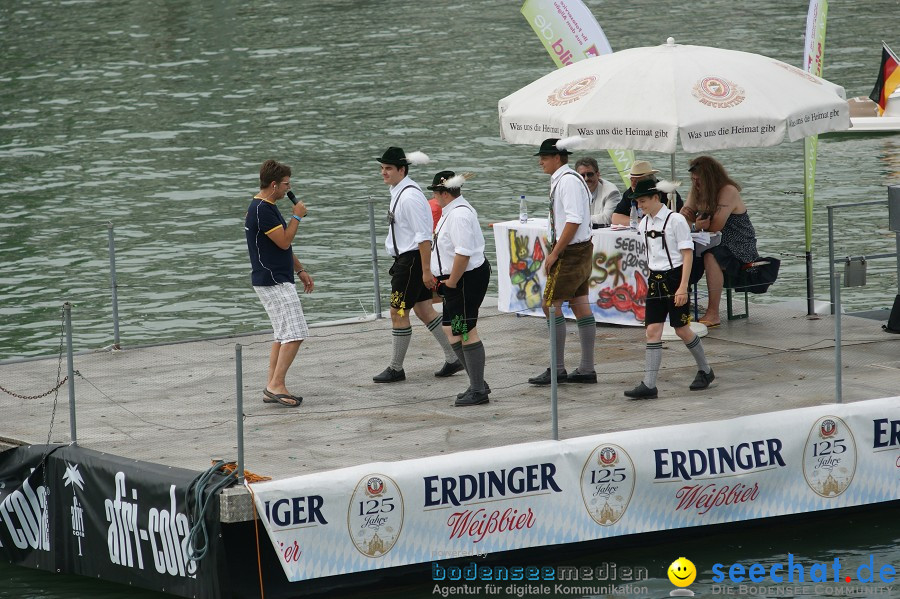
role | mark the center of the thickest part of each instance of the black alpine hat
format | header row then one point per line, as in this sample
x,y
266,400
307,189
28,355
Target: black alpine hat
x,y
548,148
438,183
647,187
395,156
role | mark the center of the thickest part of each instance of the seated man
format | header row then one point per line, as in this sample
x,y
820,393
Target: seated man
x,y
641,170
604,194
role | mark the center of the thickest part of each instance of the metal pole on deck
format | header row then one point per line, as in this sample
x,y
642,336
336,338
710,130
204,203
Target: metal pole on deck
x,y
374,258
239,380
831,284
810,293
554,418
836,282
70,372
898,262
113,284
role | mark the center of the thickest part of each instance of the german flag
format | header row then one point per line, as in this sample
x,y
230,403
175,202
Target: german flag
x,y
888,78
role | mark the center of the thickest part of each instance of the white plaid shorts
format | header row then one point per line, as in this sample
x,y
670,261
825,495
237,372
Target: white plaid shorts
x,y
282,304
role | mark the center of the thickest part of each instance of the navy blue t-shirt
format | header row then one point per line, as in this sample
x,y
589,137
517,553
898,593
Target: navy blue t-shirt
x,y
270,263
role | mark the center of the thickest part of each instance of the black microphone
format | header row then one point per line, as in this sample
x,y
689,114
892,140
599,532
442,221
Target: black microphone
x,y
292,197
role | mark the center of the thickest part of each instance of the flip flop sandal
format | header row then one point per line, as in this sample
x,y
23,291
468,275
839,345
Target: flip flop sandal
x,y
291,401
708,324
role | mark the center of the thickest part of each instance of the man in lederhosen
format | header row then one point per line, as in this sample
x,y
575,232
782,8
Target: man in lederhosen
x,y
670,251
409,242
463,274
569,262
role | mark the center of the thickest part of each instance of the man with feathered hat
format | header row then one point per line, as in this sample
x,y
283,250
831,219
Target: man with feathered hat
x,y
670,251
569,259
463,273
409,242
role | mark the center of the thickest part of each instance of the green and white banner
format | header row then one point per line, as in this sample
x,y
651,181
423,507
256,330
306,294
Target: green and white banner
x,y
813,55
570,33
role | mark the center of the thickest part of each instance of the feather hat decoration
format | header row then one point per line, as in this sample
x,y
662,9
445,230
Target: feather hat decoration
x,y
457,181
667,186
417,158
569,143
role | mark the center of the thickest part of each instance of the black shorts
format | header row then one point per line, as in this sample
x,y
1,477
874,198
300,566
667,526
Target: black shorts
x,y
661,299
461,304
407,288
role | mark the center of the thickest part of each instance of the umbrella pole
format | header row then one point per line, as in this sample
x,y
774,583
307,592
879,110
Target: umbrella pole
x,y
673,166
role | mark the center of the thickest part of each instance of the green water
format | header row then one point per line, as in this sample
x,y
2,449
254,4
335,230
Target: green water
x,y
155,116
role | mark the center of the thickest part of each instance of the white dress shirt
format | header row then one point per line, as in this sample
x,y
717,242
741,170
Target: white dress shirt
x,y
412,218
457,232
571,203
678,237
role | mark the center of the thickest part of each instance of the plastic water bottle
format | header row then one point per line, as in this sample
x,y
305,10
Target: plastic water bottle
x,y
523,210
634,217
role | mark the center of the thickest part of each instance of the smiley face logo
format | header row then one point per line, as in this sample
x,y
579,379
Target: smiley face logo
x,y
682,572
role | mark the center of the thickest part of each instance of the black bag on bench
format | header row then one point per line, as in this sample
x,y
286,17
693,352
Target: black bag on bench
x,y
756,277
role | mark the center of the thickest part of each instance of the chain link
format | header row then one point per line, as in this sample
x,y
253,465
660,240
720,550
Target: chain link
x,y
45,394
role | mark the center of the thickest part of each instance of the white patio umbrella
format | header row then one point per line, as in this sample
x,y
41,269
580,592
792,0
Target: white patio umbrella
x,y
647,98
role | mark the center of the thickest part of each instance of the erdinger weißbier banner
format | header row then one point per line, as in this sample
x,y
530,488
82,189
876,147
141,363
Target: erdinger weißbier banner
x,y
570,33
388,514
77,511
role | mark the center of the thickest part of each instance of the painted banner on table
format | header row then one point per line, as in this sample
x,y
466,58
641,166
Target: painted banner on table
x,y
546,493
570,33
618,286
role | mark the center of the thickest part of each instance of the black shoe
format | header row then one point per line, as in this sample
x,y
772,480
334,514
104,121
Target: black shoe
x,y
544,378
487,390
642,391
472,398
390,376
702,380
582,377
449,369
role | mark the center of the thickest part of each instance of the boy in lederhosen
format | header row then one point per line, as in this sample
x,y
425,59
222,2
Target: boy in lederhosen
x,y
569,262
670,251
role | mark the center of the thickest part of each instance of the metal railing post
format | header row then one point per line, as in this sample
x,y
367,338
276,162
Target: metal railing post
x,y
70,372
239,381
838,395
113,284
554,417
374,258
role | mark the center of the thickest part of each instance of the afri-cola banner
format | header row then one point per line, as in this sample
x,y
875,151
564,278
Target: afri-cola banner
x,y
394,513
77,511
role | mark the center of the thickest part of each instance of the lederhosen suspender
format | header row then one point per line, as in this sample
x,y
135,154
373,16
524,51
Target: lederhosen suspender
x,y
552,216
391,219
653,235
437,249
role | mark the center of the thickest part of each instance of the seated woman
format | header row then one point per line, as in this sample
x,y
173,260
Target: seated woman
x,y
715,204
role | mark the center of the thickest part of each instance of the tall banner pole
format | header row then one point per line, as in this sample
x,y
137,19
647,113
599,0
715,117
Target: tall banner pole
x,y
570,33
813,55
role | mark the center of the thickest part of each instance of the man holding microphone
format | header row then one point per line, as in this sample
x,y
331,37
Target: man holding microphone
x,y
273,264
